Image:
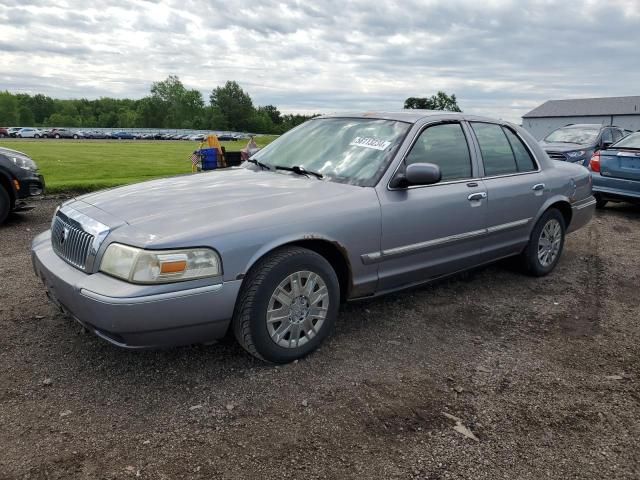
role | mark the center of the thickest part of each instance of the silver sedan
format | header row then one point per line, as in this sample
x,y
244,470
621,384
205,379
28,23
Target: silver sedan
x,y
341,208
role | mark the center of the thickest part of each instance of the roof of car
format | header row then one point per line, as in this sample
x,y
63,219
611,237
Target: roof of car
x,y
410,115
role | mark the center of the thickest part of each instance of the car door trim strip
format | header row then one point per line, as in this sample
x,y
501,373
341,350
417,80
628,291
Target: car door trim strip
x,y
375,257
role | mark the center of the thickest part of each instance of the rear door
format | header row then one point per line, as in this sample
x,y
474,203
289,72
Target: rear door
x,y
515,186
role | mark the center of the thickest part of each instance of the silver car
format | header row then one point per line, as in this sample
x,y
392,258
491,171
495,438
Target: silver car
x,y
340,208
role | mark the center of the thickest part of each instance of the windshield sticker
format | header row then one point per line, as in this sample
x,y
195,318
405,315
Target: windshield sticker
x,y
369,142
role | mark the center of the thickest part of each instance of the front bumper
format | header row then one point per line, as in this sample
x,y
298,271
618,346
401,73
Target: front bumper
x,y
31,185
581,213
135,316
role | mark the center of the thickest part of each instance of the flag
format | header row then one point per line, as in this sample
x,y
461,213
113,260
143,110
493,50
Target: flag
x,y
195,158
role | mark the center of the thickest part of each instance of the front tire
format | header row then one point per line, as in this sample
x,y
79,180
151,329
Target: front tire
x,y
36,136
545,244
5,204
57,136
288,305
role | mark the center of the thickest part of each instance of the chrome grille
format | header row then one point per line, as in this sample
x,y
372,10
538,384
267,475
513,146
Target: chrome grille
x,y
557,156
70,242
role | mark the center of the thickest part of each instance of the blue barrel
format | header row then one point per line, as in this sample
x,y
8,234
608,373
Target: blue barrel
x,y
209,158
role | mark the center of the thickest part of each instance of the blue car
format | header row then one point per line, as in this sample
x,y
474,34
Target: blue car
x,y
616,172
578,142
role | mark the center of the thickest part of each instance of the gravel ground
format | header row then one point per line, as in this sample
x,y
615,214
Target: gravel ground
x,y
543,372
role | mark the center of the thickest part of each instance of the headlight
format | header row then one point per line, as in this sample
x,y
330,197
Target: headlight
x,y
159,266
25,163
576,154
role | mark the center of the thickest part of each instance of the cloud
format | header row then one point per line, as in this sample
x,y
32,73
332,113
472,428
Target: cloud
x,y
500,57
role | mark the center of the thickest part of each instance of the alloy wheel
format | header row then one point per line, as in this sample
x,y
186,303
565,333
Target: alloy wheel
x,y
549,242
297,309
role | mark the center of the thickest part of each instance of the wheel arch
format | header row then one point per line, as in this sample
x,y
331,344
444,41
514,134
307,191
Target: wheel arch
x,y
562,204
7,184
331,250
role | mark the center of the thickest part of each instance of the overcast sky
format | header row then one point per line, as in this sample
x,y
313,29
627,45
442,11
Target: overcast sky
x,y
500,57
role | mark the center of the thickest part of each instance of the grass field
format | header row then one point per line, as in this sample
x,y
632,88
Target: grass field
x,y
84,165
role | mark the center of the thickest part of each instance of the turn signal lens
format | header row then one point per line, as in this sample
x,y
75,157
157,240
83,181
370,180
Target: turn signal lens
x,y
173,267
594,163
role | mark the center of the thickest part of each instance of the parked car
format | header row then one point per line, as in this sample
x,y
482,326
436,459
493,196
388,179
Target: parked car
x,y
4,132
227,137
616,172
340,208
123,136
62,133
96,135
13,131
577,143
29,133
19,180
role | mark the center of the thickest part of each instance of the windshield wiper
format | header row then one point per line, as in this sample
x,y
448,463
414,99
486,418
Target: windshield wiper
x,y
263,166
299,170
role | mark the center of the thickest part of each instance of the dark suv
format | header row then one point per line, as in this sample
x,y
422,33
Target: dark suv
x,y
576,143
19,180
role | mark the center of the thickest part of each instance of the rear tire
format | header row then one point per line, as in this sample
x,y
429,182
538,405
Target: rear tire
x,y
600,202
545,245
281,298
57,136
5,204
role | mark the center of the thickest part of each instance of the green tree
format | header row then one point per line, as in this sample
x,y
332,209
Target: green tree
x,y
439,101
234,104
9,115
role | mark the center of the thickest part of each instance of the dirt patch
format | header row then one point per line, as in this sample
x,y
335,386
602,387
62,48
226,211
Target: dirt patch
x,y
544,372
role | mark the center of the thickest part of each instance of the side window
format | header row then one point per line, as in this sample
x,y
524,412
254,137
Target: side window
x,y
446,146
497,156
617,135
524,161
606,136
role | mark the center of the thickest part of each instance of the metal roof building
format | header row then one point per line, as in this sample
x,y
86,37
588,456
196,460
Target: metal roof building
x,y
620,111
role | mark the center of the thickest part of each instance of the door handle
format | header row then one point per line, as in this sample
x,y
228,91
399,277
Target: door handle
x,y
538,186
477,196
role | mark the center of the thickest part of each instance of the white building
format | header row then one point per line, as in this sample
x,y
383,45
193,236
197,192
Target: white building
x,y
622,112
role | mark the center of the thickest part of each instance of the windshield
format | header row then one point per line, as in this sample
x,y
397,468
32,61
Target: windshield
x,y
346,150
581,135
631,141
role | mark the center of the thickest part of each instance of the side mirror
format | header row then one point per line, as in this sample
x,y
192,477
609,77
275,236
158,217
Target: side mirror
x,y
604,144
418,174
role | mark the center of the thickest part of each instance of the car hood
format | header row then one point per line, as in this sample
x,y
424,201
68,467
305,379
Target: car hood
x,y
220,201
10,151
562,147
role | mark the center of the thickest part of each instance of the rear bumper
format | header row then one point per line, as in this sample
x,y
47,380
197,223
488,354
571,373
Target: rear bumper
x,y
619,188
150,320
581,213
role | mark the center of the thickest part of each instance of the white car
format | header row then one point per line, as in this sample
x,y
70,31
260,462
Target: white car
x,y
29,133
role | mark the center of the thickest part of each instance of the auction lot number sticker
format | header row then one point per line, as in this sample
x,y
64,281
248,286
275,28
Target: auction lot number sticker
x,y
370,142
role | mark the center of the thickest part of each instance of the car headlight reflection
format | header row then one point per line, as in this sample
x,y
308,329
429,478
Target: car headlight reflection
x,y
25,163
136,265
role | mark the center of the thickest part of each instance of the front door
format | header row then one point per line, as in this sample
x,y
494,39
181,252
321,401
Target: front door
x,y
431,230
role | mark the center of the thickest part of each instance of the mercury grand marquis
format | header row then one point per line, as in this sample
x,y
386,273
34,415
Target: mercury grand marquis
x,y
343,207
